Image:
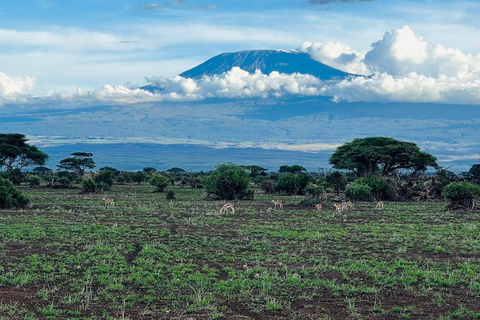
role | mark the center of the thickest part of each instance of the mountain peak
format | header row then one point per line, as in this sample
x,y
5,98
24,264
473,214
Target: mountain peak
x,y
280,60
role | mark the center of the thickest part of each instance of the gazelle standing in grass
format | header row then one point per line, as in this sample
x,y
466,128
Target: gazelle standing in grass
x,y
227,206
379,205
108,202
277,204
338,207
319,207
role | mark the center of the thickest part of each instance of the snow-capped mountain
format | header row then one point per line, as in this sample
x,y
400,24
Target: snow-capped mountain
x,y
283,61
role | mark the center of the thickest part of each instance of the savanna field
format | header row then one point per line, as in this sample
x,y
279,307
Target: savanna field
x,y
68,256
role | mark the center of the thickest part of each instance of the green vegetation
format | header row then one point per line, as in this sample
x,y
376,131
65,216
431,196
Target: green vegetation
x,y
380,155
159,181
79,163
70,257
228,182
15,152
11,197
461,193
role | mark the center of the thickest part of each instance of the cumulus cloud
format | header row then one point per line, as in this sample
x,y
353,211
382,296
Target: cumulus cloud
x,y
12,89
403,68
400,67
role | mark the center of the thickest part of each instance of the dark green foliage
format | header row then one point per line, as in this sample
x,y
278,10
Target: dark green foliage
x,y
64,182
337,180
88,185
15,152
149,170
159,181
461,193
295,169
474,172
247,195
33,181
380,155
41,170
228,182
79,163
268,186
11,197
170,195
255,171
139,177
16,176
105,178
292,184
176,170
359,192
313,191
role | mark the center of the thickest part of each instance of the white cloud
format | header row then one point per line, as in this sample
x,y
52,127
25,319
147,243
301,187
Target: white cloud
x,y
403,66
12,89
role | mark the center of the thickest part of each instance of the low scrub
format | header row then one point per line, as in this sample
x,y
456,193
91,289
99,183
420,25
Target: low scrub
x,y
10,197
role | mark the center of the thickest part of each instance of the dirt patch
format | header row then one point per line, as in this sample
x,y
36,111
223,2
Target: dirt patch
x,y
11,295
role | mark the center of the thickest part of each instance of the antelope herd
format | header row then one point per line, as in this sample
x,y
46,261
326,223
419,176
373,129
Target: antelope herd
x,y
278,204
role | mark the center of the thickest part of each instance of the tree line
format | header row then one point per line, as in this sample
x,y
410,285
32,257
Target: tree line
x,y
363,169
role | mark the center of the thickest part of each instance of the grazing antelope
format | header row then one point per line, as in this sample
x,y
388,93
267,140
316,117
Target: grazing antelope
x,y
319,207
109,202
379,205
348,205
226,207
338,207
278,204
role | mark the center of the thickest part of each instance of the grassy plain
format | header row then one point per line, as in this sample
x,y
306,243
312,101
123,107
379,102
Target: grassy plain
x,y
70,257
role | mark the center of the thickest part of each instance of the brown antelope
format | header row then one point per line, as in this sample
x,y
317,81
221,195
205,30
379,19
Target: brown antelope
x,y
109,202
227,206
379,205
348,205
277,204
338,207
319,207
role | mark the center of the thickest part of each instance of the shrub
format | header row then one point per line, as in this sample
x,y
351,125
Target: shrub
x,y
11,197
292,184
228,182
65,182
104,179
313,191
359,192
461,193
159,181
34,181
170,195
88,185
268,186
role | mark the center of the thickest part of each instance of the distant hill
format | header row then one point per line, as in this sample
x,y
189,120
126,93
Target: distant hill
x,y
283,61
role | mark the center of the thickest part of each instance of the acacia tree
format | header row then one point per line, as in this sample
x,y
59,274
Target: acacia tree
x,y
381,155
79,163
15,152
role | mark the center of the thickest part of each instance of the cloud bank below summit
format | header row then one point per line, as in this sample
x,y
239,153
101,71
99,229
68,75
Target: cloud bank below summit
x,y
401,67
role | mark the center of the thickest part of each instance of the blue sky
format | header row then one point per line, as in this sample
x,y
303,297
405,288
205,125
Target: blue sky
x,y
69,44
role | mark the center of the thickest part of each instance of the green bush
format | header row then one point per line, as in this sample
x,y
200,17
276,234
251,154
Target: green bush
x,y
292,184
268,186
104,179
33,181
313,191
228,182
88,185
159,181
359,192
11,197
170,195
461,193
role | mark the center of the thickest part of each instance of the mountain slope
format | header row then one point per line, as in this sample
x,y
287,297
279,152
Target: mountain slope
x,y
283,61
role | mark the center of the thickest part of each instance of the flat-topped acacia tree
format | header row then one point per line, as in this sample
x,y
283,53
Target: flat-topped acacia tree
x,y
79,163
381,155
15,152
